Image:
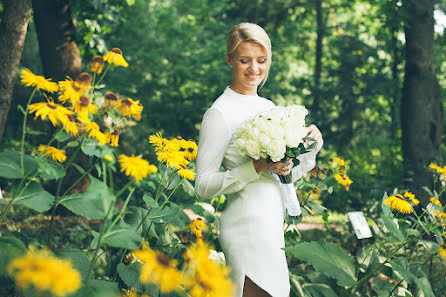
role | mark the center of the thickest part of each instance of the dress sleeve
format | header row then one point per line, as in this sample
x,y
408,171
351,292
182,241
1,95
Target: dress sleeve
x,y
215,136
307,162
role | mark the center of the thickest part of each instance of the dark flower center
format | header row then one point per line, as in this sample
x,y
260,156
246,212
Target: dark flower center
x,y
117,50
111,96
97,60
84,77
163,260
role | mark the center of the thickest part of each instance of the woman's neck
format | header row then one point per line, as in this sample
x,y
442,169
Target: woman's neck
x,y
243,90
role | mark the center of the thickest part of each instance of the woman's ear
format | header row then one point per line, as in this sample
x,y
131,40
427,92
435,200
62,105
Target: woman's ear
x,y
228,61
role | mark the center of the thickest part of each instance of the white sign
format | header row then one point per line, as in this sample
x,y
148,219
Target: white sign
x,y
359,223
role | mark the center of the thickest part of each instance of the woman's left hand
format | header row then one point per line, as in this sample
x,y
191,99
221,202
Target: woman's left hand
x,y
314,133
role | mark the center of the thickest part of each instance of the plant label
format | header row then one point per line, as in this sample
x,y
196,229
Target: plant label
x,y
359,223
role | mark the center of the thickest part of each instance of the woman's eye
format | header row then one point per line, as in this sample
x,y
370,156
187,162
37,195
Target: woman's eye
x,y
262,61
243,61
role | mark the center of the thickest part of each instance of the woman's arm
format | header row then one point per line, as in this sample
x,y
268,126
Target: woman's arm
x,y
215,136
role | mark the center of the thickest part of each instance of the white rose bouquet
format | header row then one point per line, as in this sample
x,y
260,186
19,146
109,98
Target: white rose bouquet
x,y
275,135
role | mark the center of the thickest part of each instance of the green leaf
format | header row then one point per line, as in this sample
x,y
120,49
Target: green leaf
x,y
92,290
129,274
150,202
316,207
130,2
134,215
63,136
389,221
94,203
49,169
421,280
172,214
328,258
35,197
10,164
319,290
10,248
79,260
91,147
122,235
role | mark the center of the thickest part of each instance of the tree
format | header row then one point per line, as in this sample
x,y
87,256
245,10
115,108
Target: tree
x,y
56,33
421,116
13,29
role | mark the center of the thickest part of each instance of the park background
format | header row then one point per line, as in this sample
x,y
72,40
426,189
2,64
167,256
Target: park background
x,y
371,73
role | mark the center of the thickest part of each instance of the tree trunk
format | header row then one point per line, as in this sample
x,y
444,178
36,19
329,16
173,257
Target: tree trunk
x,y
13,29
55,30
422,115
318,59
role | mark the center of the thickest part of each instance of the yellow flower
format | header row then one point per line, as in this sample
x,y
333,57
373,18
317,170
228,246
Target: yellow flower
x,y
128,107
158,141
113,138
343,180
129,293
136,167
435,201
71,126
315,193
30,79
195,227
159,269
322,173
84,81
206,278
339,161
399,203
70,90
115,57
411,196
442,252
190,150
94,132
111,99
97,63
186,173
56,154
83,107
45,272
54,112
436,167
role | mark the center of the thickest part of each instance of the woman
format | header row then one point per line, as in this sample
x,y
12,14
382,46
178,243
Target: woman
x,y
251,232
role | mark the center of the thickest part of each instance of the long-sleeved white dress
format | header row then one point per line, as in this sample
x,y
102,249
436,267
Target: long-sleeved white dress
x,y
251,229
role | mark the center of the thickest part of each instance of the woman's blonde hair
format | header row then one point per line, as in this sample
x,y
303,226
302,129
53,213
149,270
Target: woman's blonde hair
x,y
252,33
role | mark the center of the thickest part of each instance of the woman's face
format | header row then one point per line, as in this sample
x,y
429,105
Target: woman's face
x,y
249,64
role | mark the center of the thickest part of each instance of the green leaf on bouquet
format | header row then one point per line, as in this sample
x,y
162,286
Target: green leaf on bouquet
x,y
93,204
10,247
123,236
35,197
49,169
328,258
10,164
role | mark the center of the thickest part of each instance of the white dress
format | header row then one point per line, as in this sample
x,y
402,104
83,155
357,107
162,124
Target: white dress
x,y
251,230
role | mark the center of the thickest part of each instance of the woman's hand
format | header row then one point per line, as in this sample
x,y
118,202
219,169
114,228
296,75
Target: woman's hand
x,y
274,167
314,133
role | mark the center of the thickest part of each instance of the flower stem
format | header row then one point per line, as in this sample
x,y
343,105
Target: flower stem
x,y
24,129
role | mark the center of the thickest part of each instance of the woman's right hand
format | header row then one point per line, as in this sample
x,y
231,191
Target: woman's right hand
x,y
274,167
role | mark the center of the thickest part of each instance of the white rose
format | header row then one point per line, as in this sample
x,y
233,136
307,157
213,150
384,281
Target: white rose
x,y
277,150
240,145
294,135
253,149
264,141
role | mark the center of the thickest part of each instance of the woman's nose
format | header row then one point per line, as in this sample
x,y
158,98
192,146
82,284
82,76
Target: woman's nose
x,y
254,66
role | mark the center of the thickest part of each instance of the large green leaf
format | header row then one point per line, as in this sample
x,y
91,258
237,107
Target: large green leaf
x,y
49,169
319,290
91,147
10,164
172,214
35,197
134,215
10,247
122,235
328,258
94,203
129,274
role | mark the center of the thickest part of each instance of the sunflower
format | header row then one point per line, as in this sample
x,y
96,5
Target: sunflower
x,y
128,107
97,63
343,180
44,272
93,131
28,79
136,167
115,57
56,154
399,203
157,268
54,112
70,90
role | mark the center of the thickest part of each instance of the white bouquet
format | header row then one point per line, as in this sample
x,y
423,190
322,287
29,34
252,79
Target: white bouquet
x,y
275,135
